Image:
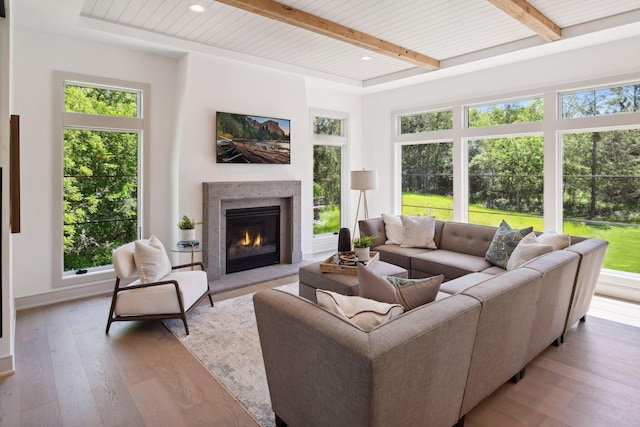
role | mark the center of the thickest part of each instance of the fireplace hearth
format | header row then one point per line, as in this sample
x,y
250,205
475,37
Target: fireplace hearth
x,y
252,238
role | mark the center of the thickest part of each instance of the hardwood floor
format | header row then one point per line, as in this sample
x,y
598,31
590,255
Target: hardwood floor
x,y
69,373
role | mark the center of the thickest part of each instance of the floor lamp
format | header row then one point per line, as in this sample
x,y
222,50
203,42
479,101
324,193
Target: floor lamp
x,y
363,180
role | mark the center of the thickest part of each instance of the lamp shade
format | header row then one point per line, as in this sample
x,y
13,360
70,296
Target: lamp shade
x,y
364,180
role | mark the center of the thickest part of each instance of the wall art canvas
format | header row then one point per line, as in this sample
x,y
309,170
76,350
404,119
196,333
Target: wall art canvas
x,y
243,138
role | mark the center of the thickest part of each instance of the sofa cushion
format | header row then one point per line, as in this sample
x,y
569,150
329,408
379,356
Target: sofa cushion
x,y
503,244
410,293
463,283
558,241
471,239
151,259
528,248
393,229
362,312
450,264
418,232
395,254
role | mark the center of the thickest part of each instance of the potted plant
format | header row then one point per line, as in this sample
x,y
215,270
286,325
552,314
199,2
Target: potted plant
x,y
187,228
362,246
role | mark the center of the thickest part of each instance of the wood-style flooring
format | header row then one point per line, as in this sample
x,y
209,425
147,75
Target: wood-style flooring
x,y
69,373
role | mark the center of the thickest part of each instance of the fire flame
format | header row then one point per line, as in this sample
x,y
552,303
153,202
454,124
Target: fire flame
x,y
246,240
258,241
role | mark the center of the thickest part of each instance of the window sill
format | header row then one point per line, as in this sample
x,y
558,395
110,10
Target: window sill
x,y
88,278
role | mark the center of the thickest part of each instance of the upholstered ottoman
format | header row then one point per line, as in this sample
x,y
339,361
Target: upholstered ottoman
x,y
311,278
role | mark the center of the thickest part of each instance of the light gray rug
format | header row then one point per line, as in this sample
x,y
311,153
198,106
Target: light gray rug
x,y
225,340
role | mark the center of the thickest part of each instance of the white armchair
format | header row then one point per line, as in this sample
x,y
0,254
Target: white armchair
x,y
161,291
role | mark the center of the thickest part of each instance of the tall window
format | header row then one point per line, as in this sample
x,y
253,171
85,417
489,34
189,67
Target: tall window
x,y
330,139
506,181
427,180
102,134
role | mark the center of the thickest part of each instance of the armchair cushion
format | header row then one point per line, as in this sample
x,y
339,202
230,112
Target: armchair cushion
x,y
162,299
151,260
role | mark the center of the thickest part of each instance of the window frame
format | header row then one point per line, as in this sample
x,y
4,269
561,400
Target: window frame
x,y
328,242
73,120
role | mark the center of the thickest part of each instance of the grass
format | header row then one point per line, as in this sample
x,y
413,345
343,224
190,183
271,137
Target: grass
x,y
624,240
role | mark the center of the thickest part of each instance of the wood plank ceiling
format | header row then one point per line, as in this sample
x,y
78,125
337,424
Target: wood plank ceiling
x,y
397,35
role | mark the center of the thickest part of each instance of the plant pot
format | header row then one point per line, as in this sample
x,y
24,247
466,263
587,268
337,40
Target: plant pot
x,y
362,253
187,235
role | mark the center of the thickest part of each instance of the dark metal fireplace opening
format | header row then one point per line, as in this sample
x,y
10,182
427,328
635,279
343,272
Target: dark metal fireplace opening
x,y
253,238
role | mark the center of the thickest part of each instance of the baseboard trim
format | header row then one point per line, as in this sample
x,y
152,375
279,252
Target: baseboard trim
x,y
62,295
7,366
621,286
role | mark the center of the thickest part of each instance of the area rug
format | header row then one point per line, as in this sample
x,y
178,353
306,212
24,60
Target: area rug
x,y
225,340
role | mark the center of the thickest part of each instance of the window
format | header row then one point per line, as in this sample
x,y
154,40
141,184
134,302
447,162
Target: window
x,y
427,180
603,101
523,111
426,122
102,129
506,181
330,142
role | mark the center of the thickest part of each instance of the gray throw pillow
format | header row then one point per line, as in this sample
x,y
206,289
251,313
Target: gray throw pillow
x,y
504,243
410,293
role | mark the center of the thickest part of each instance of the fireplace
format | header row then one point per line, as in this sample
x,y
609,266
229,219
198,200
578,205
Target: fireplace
x,y
219,198
252,238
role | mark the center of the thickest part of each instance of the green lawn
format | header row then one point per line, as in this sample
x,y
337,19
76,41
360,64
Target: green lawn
x,y
624,241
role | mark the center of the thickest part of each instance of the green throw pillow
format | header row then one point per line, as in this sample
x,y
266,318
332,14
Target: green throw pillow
x,y
503,244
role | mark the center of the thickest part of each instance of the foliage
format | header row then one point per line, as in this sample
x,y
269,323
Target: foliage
x,y
327,126
363,241
327,183
423,122
100,180
188,223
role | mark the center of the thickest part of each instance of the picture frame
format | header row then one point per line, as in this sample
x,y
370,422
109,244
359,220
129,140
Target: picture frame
x,y
243,138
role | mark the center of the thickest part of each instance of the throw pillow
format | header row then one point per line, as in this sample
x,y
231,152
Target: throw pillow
x,y
362,312
393,229
529,248
504,242
410,293
558,241
151,260
418,232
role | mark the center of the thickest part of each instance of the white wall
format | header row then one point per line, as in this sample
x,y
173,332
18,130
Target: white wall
x,y
185,95
598,62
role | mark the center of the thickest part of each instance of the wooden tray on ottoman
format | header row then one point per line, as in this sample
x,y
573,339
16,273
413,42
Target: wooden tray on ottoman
x,y
330,266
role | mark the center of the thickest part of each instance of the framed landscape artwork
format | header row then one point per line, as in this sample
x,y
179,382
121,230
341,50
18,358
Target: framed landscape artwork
x,y
243,138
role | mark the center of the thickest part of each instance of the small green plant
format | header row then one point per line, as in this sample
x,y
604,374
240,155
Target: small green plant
x,y
187,223
363,241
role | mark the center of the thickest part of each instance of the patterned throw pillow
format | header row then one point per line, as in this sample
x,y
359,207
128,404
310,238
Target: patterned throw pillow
x,y
529,248
418,232
410,293
362,312
504,242
151,260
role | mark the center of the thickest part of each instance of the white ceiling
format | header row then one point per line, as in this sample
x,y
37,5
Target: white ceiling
x,y
456,32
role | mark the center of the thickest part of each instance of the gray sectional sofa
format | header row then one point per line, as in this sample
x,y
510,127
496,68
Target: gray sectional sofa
x,y
431,365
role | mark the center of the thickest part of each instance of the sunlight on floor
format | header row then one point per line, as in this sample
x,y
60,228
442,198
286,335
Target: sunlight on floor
x,y
616,310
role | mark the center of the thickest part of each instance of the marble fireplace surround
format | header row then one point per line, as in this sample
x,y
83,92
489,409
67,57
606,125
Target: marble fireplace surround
x,y
220,196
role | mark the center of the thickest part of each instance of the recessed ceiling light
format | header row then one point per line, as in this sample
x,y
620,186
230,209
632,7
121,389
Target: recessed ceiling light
x,y
365,58
196,8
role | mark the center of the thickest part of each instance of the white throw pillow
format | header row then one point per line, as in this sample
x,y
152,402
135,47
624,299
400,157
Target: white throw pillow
x,y
528,248
362,312
558,241
418,232
151,260
393,229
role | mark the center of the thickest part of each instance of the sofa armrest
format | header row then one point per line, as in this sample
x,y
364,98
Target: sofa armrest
x,y
322,370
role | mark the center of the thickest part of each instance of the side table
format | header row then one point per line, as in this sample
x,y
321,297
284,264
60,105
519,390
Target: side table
x,y
187,249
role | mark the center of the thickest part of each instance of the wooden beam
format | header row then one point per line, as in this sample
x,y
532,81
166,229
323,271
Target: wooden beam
x,y
289,15
531,17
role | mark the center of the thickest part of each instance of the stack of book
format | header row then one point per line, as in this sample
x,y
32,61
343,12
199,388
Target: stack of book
x,y
188,243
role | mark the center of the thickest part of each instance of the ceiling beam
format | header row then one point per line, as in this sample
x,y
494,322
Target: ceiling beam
x,y
531,17
298,18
